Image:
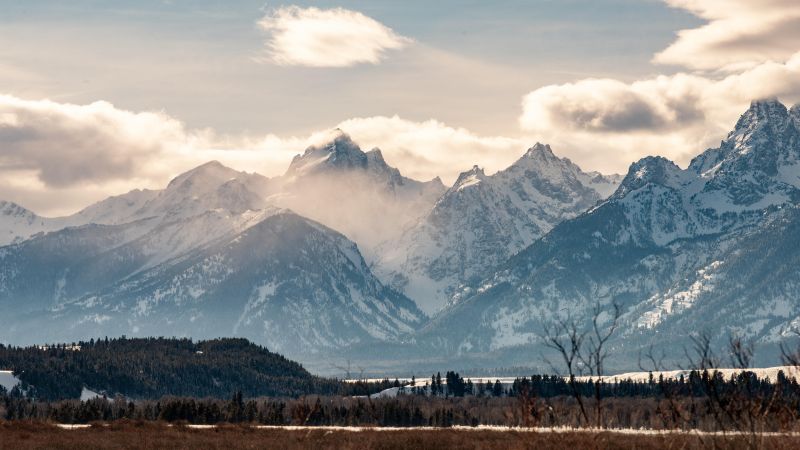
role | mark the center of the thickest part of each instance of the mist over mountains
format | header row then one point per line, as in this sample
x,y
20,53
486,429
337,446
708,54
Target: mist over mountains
x,y
343,255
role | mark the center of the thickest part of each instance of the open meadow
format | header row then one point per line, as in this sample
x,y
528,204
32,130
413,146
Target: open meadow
x,y
151,435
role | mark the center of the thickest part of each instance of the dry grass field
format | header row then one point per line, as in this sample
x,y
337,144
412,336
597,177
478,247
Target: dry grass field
x,y
144,435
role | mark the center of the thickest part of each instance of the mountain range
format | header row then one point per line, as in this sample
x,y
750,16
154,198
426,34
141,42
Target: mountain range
x,y
482,220
344,252
710,248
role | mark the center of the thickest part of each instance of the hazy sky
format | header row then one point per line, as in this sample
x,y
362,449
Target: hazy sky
x,y
98,97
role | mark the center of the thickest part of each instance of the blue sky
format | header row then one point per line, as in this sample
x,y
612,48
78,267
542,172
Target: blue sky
x,y
192,58
99,97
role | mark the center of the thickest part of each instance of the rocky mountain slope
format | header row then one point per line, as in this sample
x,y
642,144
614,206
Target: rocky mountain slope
x,y
203,257
482,220
712,247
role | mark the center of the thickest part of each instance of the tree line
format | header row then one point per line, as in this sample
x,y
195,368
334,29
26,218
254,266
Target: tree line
x,y
700,400
144,368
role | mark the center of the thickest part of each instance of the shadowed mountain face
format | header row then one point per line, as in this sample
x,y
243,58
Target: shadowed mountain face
x,y
712,247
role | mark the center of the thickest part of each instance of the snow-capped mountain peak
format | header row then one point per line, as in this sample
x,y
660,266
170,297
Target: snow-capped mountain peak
x,y
769,114
204,188
18,223
341,153
469,178
12,209
540,151
205,177
651,170
355,192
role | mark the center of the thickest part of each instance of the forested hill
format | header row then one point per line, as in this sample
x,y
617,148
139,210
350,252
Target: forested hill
x,y
155,367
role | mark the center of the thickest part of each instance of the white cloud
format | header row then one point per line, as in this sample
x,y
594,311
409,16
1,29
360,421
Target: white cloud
x,y
57,158
67,144
739,34
606,105
316,37
748,50
606,124
424,150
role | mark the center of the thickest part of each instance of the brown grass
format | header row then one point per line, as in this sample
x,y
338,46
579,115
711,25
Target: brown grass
x,y
148,435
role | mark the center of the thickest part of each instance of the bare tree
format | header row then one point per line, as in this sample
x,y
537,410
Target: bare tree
x,y
597,351
678,416
345,369
741,352
791,356
566,338
737,405
583,347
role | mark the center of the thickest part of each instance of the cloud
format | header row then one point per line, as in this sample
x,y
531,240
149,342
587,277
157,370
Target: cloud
x,y
606,124
66,144
739,34
424,150
606,105
316,37
57,158
747,50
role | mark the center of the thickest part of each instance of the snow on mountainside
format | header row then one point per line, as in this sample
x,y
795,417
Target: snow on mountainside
x,y
18,223
354,192
204,257
482,220
205,188
285,281
211,255
711,247
114,210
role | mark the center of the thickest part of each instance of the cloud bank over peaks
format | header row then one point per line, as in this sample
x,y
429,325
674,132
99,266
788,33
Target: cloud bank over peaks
x,y
59,157
748,50
67,144
338,37
427,149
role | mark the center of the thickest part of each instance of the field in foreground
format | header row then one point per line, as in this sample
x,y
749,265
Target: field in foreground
x,y
144,435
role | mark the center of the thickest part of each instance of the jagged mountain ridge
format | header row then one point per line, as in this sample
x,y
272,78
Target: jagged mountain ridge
x,y
129,244
336,183
709,247
483,220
